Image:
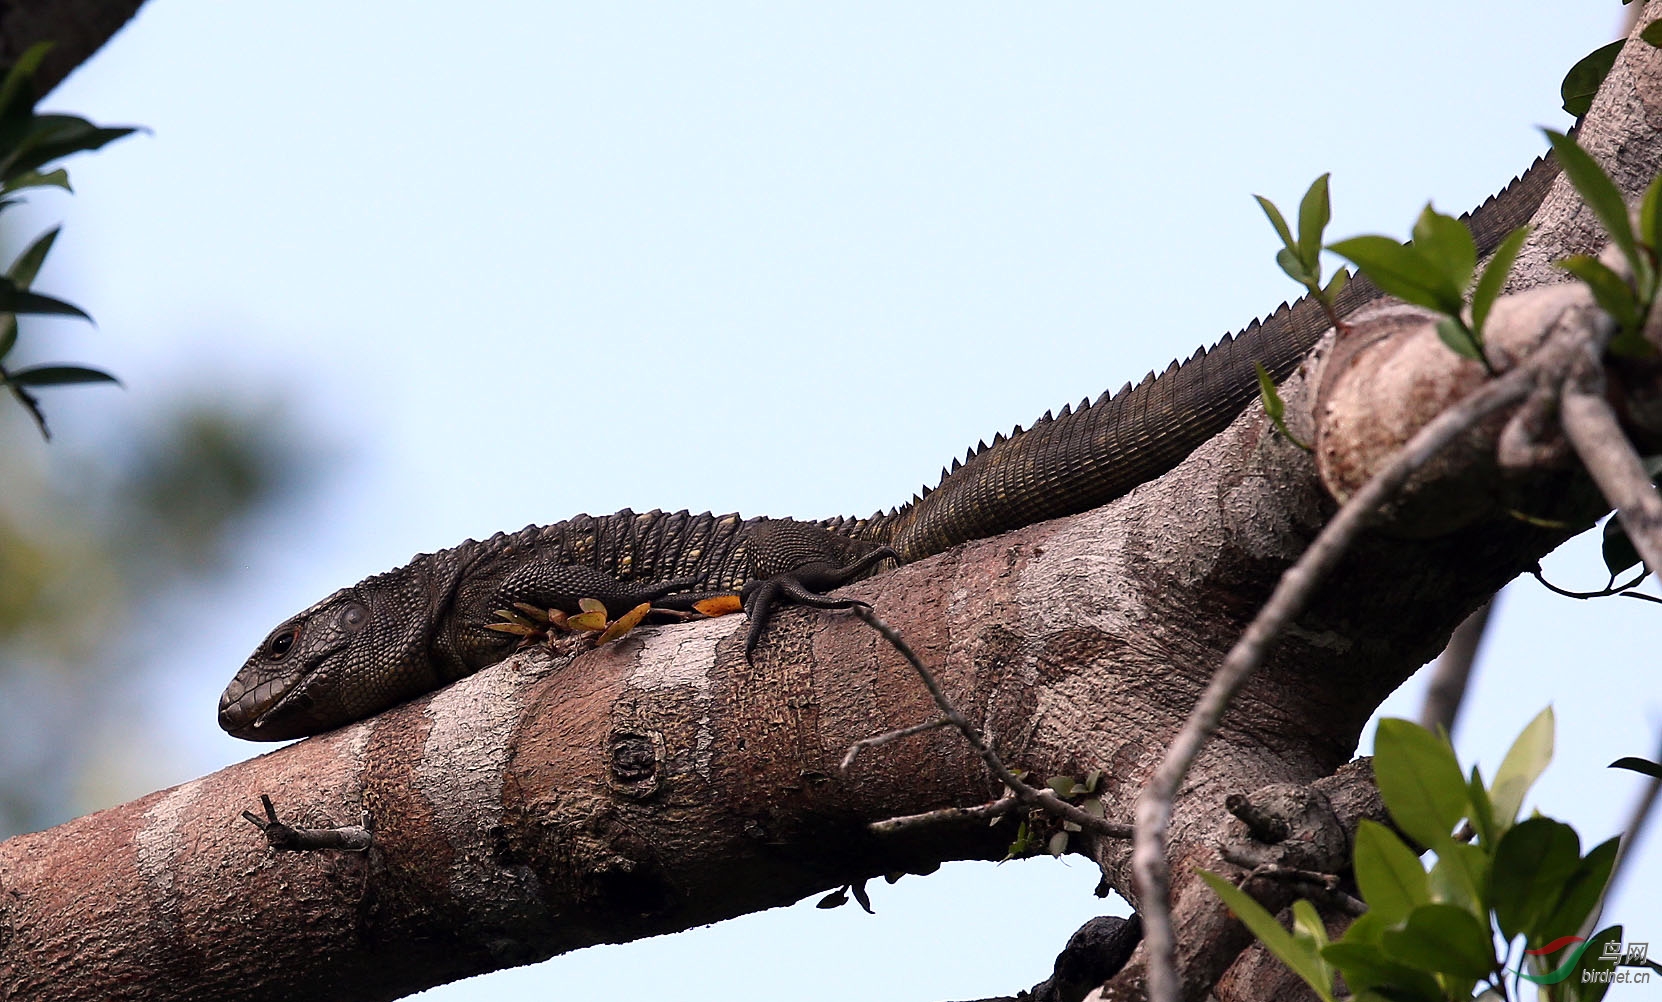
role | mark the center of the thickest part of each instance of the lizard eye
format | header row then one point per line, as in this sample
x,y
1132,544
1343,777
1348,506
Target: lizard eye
x,y
282,642
354,616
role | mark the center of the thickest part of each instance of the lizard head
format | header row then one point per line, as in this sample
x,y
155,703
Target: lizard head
x,y
347,657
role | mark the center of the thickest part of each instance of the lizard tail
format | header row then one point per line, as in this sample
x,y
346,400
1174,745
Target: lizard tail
x,y
1086,457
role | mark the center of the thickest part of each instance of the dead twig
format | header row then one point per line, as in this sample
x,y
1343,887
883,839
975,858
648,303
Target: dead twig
x,y
885,738
1046,800
285,837
946,815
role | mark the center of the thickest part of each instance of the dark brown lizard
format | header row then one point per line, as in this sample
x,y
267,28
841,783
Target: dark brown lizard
x,y
411,630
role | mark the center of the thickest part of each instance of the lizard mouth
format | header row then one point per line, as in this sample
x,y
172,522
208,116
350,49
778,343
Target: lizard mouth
x,y
246,713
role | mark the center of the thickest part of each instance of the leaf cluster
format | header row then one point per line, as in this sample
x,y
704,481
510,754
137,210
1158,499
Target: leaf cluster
x,y
1436,269
1300,258
1628,299
29,144
1429,933
1030,837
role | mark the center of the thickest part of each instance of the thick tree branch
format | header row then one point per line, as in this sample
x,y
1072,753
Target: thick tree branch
x,y
76,29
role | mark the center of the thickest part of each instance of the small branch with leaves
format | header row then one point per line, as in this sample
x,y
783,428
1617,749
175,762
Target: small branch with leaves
x,y
1565,374
29,143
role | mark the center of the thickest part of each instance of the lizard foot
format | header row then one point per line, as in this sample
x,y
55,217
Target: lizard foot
x,y
805,586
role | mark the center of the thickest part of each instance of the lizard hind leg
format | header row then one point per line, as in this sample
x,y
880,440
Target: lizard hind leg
x,y
542,584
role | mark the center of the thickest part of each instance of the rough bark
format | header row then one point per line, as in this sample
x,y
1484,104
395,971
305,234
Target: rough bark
x,y
663,783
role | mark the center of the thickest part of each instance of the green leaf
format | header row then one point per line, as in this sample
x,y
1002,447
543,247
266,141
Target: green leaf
x,y
1307,924
1532,862
21,75
1273,405
59,375
1459,338
1401,271
1522,766
1336,284
1277,221
1293,265
1369,929
15,300
1482,814
1389,874
1582,892
1617,547
1631,343
1652,33
1494,276
1461,877
1639,765
860,895
49,137
1593,959
1609,289
27,266
1598,191
1445,939
1445,241
1364,966
8,333
35,179
1584,78
1650,213
1419,779
1300,957
1314,212
1058,844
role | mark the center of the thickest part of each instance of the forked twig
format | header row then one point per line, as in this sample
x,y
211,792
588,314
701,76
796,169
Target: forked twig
x,y
1021,791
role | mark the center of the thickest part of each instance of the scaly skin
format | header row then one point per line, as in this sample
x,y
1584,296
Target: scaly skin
x,y
411,630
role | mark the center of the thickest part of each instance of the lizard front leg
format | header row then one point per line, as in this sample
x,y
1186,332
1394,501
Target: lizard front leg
x,y
797,563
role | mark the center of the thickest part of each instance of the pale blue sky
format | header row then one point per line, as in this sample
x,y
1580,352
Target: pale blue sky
x,y
525,261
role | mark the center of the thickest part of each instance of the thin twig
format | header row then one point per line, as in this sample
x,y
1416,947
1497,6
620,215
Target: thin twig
x,y
1292,592
1453,671
985,812
1325,886
1046,799
885,738
1608,590
285,837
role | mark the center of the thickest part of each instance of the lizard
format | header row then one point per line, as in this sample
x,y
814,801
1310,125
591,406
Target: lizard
x,y
411,630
